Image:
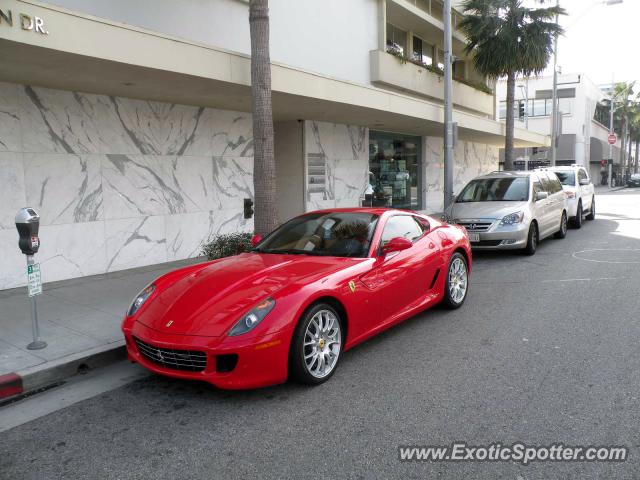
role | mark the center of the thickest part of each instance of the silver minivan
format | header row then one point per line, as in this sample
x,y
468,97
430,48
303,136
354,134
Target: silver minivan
x,y
511,210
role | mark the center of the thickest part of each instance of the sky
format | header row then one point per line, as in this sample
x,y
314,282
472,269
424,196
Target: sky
x,y
600,41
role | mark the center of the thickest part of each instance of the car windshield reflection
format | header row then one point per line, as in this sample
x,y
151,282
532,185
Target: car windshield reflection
x,y
495,190
336,234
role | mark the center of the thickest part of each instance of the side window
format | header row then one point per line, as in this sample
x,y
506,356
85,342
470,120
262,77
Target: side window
x,y
554,184
537,187
544,180
423,224
401,226
582,175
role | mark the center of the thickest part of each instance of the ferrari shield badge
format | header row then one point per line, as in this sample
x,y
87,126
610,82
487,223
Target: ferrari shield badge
x,y
352,286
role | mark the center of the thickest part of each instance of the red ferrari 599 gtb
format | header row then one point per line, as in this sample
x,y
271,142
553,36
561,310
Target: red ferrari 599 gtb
x,y
318,285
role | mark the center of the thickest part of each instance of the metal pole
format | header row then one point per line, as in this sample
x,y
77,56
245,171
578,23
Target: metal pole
x,y
448,108
37,344
610,159
554,97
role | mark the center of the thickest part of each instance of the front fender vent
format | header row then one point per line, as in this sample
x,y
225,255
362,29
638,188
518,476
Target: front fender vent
x,y
435,279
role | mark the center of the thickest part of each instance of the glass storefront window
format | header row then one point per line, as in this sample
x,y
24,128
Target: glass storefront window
x,y
394,170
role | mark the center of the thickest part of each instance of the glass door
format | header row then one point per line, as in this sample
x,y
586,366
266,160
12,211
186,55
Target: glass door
x,y
394,170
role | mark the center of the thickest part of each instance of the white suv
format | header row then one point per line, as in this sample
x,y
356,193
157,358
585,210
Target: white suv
x,y
579,190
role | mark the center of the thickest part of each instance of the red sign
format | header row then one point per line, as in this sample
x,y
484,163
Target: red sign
x,y
612,139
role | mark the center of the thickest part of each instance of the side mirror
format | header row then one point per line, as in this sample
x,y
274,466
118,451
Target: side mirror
x,y
255,240
396,244
584,181
541,196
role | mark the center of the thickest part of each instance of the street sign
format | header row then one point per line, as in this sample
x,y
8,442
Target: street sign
x,y
612,138
34,280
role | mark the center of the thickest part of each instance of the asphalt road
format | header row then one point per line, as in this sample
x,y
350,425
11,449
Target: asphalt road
x,y
545,350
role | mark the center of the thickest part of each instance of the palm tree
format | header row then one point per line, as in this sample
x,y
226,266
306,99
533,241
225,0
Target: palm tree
x,y
634,133
623,95
507,39
264,167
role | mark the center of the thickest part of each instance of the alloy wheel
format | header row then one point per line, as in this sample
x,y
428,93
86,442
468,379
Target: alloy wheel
x,y
322,343
458,280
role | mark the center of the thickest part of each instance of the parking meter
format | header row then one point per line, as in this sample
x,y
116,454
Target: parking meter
x,y
28,224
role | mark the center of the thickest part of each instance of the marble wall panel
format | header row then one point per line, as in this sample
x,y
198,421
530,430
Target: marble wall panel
x,y
471,160
64,188
12,193
13,266
344,150
10,132
134,242
71,250
232,134
118,182
187,233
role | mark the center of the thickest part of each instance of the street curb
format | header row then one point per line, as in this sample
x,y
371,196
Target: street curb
x,y
55,371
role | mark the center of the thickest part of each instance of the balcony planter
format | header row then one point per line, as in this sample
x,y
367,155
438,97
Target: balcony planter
x,y
387,70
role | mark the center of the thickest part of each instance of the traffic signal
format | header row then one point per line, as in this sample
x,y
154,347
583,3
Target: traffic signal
x,y
521,110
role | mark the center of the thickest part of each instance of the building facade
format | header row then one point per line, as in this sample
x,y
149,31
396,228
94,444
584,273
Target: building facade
x,y
127,125
584,127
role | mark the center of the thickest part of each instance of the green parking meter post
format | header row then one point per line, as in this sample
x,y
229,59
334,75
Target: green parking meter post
x,y
28,224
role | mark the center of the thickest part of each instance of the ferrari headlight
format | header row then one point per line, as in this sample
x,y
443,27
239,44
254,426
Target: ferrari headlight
x,y
253,317
512,218
140,299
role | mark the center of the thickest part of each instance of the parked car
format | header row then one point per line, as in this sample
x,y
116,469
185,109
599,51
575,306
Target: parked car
x,y
511,210
580,192
315,287
634,180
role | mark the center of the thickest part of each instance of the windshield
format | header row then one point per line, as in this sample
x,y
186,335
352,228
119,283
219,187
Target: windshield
x,y
567,177
495,190
336,234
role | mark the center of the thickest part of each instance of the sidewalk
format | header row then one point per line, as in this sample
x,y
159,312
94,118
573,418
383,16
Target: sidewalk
x,y
79,319
607,189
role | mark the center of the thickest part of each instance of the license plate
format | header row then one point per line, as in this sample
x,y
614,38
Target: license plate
x,y
474,237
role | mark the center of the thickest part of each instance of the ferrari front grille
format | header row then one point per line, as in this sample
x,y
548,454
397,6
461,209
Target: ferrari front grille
x,y
189,360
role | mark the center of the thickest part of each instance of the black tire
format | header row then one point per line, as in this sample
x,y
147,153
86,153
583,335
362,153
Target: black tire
x,y
532,240
298,369
560,234
592,212
449,299
577,220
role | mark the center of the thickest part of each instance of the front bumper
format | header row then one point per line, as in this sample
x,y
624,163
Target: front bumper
x,y
260,361
497,237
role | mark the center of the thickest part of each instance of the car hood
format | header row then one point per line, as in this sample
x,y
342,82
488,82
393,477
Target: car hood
x,y
210,300
485,210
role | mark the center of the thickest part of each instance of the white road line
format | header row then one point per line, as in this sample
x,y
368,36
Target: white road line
x,y
575,255
584,279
